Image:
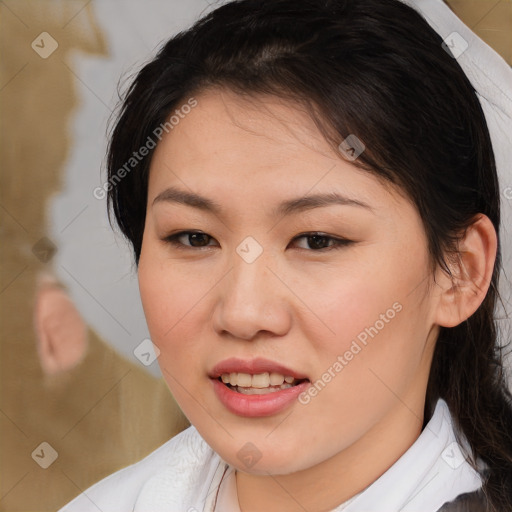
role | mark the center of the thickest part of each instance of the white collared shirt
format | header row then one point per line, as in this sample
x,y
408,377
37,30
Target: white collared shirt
x,y
184,473
227,498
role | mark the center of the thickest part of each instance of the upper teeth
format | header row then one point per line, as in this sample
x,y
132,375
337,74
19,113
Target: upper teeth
x,y
260,380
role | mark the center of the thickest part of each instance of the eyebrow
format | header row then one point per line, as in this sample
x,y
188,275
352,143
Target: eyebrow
x,y
291,206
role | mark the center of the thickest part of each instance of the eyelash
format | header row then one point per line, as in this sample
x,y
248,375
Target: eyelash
x,y
337,243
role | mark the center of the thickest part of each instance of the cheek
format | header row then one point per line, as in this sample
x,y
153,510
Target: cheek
x,y
166,290
350,305
374,313
373,358
175,311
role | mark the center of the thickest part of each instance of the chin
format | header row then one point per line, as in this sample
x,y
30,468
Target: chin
x,y
271,459
268,467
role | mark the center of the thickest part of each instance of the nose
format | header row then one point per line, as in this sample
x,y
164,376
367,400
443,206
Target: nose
x,y
252,301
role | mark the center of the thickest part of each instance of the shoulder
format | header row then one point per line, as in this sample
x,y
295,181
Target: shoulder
x,y
120,490
468,502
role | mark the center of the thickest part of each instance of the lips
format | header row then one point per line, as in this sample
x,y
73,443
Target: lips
x,y
259,396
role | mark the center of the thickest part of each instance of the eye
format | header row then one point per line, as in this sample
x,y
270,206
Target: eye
x,y
322,242
195,239
313,241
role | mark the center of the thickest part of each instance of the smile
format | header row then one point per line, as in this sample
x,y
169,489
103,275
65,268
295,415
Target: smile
x,y
259,384
257,387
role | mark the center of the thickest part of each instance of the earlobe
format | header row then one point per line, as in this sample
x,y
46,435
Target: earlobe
x,y
471,269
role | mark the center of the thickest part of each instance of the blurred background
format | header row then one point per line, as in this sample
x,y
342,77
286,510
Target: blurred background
x,y
80,389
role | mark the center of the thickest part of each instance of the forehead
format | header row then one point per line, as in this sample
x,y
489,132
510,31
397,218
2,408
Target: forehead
x,y
224,120
258,146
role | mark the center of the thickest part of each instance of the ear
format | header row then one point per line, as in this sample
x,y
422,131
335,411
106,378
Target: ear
x,y
61,334
472,269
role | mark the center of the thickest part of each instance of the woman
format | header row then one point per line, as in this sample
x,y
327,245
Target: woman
x,y
310,192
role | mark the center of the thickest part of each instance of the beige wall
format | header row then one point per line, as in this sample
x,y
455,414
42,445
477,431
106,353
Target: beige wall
x,y
105,412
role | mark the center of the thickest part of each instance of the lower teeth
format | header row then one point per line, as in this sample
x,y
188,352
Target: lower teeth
x,y
260,391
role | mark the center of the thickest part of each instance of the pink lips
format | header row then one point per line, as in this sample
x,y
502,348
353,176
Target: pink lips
x,y
252,406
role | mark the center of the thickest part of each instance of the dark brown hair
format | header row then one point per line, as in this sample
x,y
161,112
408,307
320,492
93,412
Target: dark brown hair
x,y
376,69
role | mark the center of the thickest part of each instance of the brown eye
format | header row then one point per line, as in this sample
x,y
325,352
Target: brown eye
x,y
185,239
321,241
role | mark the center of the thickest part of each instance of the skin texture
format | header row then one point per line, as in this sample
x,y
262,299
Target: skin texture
x,y
296,305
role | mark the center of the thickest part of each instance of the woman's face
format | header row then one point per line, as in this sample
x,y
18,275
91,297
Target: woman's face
x,y
305,267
